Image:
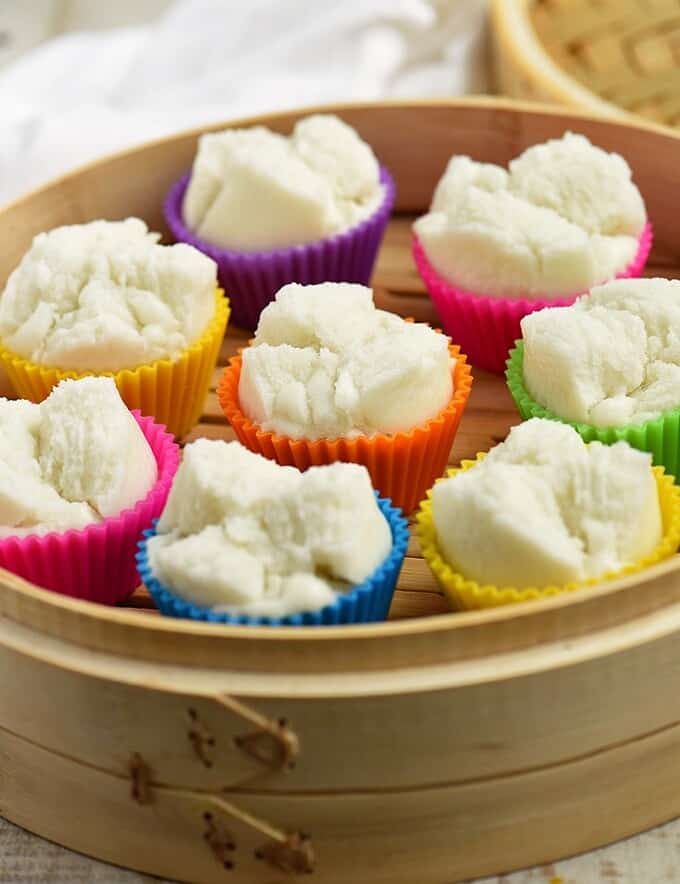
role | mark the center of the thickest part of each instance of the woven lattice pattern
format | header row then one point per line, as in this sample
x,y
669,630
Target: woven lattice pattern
x,y
626,51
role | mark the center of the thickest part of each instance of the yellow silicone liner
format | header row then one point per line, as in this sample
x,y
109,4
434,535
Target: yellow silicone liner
x,y
468,594
170,391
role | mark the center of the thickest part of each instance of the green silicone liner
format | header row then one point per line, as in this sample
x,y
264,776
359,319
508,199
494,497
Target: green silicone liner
x,y
661,436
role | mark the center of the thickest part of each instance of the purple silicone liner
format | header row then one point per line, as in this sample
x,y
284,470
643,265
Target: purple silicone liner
x,y
97,563
251,279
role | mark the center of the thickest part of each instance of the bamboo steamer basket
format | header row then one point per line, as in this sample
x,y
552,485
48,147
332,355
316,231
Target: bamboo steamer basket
x,y
432,748
615,57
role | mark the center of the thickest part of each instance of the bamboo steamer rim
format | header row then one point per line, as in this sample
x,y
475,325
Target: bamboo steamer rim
x,y
420,641
472,102
10,582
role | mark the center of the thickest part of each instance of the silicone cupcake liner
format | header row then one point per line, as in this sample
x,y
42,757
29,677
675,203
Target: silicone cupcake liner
x,y
171,391
486,327
97,563
366,603
660,436
468,594
402,466
253,278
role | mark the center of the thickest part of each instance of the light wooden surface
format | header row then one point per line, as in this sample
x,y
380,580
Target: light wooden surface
x,y
481,741
650,858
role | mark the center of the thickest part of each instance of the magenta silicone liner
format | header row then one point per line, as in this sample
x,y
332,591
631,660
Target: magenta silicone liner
x,y
251,279
487,327
97,563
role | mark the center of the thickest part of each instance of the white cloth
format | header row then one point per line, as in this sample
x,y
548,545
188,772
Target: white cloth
x,y
86,94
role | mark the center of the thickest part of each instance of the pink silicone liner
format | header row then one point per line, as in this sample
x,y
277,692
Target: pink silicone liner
x,y
97,563
487,327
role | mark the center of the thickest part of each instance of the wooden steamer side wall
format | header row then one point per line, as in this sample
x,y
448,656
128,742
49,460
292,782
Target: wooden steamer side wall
x,y
488,764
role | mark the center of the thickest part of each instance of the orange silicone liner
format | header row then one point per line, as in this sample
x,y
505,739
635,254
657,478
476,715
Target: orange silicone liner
x,y
402,465
170,391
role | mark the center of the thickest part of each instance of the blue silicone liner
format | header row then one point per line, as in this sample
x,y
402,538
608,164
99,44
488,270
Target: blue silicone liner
x,y
368,602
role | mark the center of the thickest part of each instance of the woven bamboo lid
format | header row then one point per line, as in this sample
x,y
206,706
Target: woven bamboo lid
x,y
610,56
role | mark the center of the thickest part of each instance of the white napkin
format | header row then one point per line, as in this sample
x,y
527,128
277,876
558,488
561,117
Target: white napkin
x,y
86,94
